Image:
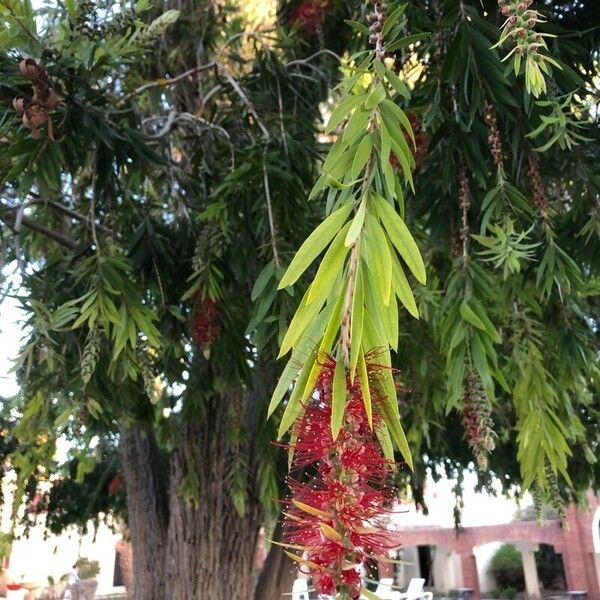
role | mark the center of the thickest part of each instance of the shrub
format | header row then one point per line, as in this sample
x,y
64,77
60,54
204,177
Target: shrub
x,y
507,568
88,569
505,592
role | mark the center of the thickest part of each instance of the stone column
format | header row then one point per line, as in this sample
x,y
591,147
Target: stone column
x,y
443,575
532,582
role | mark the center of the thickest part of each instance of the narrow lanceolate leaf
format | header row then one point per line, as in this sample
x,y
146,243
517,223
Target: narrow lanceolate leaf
x,y
343,109
338,403
356,323
357,224
302,319
304,349
394,111
369,595
403,289
381,258
402,239
330,266
375,97
310,510
363,153
294,406
330,533
385,440
365,389
314,245
466,312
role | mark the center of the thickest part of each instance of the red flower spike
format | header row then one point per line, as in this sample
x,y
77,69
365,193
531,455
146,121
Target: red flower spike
x,y
339,515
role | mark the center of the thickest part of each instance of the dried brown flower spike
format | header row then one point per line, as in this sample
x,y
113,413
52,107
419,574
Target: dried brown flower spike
x,y
36,112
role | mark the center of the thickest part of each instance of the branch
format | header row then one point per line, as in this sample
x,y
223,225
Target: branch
x,y
270,211
12,224
306,61
238,90
37,201
166,82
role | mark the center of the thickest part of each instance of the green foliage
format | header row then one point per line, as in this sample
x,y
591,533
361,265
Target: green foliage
x,y
88,569
507,568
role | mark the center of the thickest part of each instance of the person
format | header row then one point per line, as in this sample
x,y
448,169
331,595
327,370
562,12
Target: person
x,y
72,579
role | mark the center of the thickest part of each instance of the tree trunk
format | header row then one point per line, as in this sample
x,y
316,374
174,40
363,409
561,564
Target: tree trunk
x,y
210,546
147,509
278,572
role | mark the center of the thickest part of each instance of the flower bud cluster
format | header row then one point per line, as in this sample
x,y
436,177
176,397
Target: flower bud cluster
x,y
519,24
91,353
376,20
537,186
477,420
464,197
494,141
556,499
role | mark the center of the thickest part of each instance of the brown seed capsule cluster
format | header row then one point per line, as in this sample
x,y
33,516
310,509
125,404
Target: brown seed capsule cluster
x,y
376,20
494,141
537,186
519,24
36,111
477,420
464,196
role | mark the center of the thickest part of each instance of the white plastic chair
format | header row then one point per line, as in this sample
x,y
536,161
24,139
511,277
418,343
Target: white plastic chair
x,y
300,590
414,591
384,590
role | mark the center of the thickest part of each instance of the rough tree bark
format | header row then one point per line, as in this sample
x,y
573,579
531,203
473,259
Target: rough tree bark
x,y
197,549
277,574
210,546
147,509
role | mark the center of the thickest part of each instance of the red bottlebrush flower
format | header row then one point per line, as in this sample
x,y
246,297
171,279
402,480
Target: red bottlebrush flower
x,y
338,517
115,484
309,16
204,324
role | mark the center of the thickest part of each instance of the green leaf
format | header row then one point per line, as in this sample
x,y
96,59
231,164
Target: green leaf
x,y
357,224
369,595
392,19
375,97
303,349
294,405
303,317
380,258
314,245
401,238
363,153
403,289
393,110
356,324
385,441
342,109
338,403
357,123
397,84
407,41
468,315
363,376
330,266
